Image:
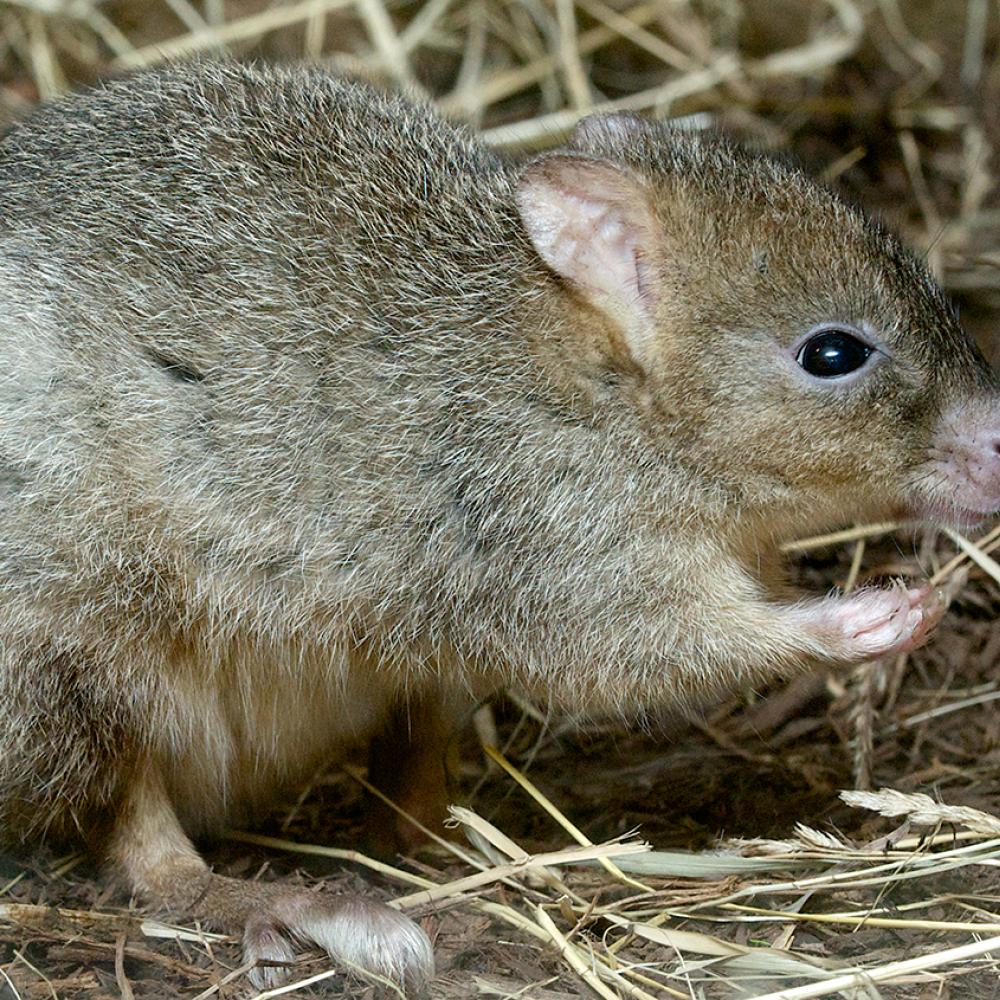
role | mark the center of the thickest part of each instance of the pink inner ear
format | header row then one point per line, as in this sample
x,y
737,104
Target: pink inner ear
x,y
591,224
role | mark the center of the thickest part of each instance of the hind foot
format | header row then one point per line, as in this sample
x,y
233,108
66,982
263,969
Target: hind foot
x,y
365,936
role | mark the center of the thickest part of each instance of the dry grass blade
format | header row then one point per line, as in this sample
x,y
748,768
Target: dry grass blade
x,y
237,30
387,42
886,973
48,982
576,961
839,537
548,806
503,84
217,987
822,52
646,40
985,545
868,919
975,553
302,984
703,864
10,985
319,850
916,138
737,958
923,810
167,932
547,129
942,710
485,836
759,961
431,835
569,856
569,55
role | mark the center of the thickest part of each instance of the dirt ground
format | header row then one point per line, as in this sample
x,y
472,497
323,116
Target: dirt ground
x,y
903,119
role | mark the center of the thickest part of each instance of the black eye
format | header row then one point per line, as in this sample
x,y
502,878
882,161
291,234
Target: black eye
x,y
833,353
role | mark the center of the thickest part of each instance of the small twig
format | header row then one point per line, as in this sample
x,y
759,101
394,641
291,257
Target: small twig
x,y
19,955
124,986
865,919
942,710
10,983
224,981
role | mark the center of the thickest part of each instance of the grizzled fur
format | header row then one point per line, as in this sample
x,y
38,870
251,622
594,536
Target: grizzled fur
x,y
296,424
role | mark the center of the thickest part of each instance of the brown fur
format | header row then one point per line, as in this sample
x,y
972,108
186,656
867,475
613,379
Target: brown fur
x,y
298,429
413,761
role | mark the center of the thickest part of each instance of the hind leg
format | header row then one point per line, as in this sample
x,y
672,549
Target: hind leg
x,y
411,760
67,742
162,865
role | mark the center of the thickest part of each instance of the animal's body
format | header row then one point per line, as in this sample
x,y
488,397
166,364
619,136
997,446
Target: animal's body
x,y
313,408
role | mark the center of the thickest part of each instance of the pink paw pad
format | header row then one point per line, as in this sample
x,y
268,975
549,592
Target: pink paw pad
x,y
873,623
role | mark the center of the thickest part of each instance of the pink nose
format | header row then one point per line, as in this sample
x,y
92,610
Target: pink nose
x,y
966,458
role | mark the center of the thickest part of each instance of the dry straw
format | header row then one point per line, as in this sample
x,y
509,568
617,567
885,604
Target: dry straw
x,y
616,919
551,909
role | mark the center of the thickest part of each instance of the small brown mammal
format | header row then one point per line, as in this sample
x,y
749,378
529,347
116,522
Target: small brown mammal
x,y
313,408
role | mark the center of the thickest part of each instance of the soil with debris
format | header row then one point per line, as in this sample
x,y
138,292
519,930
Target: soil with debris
x,y
896,107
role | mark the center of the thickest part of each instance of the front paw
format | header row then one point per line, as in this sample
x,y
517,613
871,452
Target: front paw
x,y
873,623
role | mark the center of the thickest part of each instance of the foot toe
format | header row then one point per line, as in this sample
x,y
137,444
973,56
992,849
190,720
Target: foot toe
x,y
267,948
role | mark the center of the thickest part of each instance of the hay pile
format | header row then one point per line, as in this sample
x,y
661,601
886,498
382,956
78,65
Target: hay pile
x,y
887,893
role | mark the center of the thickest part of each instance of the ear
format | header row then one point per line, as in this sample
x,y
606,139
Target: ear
x,y
614,130
591,221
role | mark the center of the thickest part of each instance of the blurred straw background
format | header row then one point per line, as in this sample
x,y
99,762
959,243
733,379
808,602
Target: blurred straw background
x,y
898,103
890,893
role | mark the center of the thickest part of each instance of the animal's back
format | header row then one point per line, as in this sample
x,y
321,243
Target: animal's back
x,y
214,283
212,289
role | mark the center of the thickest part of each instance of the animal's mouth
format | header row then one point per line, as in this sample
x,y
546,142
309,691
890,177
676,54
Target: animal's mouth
x,y
946,513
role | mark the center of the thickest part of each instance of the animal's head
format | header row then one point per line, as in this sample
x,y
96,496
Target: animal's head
x,y
782,345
